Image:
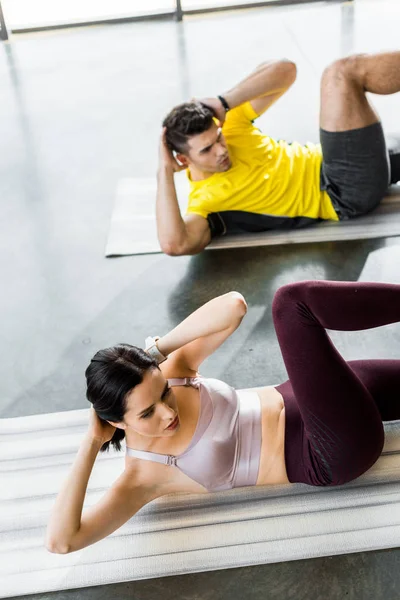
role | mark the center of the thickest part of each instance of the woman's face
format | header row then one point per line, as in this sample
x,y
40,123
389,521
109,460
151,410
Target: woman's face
x,y
152,408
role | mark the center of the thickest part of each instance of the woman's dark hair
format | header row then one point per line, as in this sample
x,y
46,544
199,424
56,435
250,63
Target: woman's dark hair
x,y
185,120
110,376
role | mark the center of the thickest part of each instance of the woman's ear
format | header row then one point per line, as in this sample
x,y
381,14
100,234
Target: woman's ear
x,y
117,424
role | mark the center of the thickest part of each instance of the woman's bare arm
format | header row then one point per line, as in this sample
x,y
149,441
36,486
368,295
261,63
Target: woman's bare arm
x,y
201,333
68,530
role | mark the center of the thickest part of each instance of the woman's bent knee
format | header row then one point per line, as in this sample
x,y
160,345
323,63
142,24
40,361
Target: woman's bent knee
x,y
287,297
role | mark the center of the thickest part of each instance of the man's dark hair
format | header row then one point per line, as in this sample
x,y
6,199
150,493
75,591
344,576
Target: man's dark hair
x,y
185,120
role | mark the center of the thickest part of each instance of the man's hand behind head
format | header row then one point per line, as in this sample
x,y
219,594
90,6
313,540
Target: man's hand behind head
x,y
216,106
166,157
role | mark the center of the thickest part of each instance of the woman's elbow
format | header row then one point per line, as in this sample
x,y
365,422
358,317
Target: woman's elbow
x,y
56,547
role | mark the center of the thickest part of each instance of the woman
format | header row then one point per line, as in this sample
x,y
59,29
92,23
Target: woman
x,y
185,433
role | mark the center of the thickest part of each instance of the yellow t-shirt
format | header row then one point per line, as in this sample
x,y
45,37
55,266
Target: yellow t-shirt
x,y
267,177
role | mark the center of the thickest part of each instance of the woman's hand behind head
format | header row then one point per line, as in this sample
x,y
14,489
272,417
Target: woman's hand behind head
x,y
98,428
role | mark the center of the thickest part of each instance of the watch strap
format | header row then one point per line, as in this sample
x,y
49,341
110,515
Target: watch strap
x,y
153,351
224,103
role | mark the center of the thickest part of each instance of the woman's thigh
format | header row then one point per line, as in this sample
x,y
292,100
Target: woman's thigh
x,y
328,456
382,380
341,404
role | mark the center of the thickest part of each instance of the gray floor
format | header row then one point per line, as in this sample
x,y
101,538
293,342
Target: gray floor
x,y
81,108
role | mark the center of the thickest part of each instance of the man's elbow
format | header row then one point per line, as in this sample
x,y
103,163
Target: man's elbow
x,y
290,70
174,249
283,63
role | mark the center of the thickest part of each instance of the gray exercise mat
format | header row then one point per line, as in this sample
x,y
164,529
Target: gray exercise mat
x,y
133,225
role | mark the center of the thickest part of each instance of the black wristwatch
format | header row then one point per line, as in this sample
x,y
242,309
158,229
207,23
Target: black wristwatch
x,y
224,103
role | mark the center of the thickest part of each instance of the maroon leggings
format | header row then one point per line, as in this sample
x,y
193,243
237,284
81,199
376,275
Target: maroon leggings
x,y
334,409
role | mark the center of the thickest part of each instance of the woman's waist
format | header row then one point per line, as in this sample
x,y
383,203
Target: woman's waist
x,y
263,403
272,461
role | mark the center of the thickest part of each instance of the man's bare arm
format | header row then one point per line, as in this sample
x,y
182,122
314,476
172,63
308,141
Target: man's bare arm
x,y
176,235
262,88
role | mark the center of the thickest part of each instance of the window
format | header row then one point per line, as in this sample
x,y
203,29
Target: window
x,y
20,14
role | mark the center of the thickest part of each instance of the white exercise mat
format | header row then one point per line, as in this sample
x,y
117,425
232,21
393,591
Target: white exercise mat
x,y
181,533
133,225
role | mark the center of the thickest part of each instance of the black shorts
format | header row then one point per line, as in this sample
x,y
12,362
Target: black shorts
x,y
355,169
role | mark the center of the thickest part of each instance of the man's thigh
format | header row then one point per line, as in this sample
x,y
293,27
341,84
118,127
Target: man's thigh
x,y
344,104
355,169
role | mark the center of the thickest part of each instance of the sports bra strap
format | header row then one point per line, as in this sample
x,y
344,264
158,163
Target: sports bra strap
x,y
166,459
188,381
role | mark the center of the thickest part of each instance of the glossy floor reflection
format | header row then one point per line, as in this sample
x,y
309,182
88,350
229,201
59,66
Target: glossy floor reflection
x,y
80,109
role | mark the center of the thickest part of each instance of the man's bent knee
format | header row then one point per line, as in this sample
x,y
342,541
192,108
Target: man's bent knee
x,y
348,69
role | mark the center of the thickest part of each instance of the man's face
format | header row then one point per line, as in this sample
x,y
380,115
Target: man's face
x,y
208,151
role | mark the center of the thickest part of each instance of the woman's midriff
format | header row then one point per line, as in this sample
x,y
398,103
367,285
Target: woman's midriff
x,y
272,460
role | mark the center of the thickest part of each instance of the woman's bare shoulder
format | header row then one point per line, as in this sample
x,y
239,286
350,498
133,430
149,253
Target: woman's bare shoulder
x,y
156,480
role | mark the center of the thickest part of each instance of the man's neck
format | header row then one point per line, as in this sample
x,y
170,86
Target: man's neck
x,y
198,175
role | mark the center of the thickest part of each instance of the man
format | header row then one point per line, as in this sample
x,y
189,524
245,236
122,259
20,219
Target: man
x,y
242,180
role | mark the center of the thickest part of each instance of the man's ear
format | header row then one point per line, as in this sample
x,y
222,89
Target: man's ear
x,y
182,159
117,424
